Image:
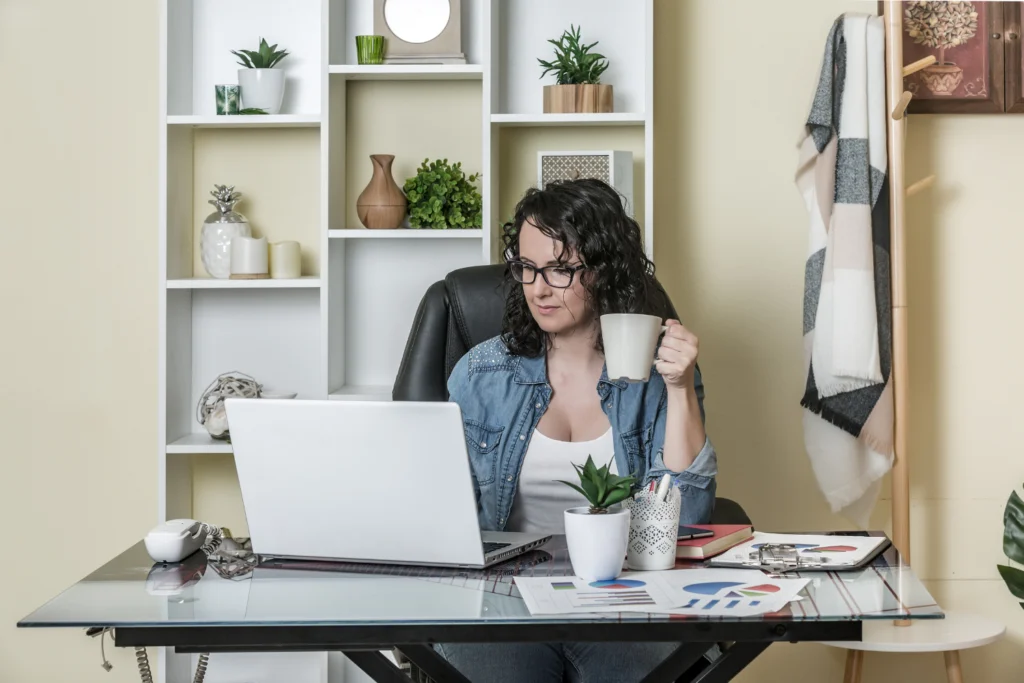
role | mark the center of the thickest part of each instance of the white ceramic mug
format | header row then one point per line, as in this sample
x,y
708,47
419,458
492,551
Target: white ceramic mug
x,y
630,340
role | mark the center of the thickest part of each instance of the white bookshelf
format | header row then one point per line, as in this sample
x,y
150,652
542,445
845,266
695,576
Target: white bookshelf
x,y
339,331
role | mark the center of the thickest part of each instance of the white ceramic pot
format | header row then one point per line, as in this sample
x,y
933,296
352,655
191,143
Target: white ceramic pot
x,y
597,543
215,246
262,89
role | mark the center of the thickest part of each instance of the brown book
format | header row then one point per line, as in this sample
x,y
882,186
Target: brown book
x,y
726,536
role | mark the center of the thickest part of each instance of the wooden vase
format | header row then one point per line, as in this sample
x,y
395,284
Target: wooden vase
x,y
578,99
382,204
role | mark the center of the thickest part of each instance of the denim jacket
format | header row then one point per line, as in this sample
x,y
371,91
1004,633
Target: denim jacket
x,y
502,398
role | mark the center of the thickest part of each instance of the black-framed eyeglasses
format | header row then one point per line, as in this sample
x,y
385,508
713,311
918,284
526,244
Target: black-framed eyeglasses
x,y
556,276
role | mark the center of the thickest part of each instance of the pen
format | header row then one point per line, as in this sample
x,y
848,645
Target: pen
x,y
663,488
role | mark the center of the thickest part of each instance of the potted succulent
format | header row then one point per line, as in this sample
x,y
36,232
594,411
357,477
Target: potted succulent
x,y
597,534
441,195
262,85
1013,545
578,87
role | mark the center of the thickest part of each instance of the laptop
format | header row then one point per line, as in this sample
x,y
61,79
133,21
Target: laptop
x,y
362,481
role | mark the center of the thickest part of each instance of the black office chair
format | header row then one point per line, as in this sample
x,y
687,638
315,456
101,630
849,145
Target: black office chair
x,y
458,313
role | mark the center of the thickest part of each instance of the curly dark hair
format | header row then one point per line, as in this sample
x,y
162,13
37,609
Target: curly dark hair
x,y
589,218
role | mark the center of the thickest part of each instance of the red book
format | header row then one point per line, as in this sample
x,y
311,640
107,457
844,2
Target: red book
x,y
726,536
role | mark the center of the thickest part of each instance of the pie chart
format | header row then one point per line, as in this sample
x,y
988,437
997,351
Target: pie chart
x,y
715,587
710,587
618,584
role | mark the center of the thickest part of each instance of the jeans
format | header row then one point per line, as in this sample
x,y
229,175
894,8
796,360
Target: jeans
x,y
556,662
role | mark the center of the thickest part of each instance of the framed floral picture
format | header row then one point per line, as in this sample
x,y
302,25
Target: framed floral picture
x,y
967,41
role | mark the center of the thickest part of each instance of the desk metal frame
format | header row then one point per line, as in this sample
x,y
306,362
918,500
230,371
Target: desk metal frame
x,y
362,644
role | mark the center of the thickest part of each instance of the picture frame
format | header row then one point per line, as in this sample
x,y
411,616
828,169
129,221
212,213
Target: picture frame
x,y
614,167
420,31
969,77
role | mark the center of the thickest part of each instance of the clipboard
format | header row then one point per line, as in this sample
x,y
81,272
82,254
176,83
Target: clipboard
x,y
779,554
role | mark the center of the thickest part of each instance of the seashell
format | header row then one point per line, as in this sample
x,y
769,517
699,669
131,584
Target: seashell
x,y
217,421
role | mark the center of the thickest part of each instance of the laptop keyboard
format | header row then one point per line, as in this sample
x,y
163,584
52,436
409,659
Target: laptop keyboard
x,y
491,547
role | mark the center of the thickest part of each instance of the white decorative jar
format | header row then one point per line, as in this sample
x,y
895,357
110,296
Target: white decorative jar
x,y
262,89
219,228
597,542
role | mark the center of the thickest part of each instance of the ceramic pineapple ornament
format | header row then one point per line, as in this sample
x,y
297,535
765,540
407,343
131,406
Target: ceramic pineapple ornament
x,y
219,228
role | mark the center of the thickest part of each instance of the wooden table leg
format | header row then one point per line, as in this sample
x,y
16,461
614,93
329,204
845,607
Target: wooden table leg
x,y
953,672
854,664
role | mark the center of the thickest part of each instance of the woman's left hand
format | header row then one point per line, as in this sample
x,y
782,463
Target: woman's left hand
x,y
677,356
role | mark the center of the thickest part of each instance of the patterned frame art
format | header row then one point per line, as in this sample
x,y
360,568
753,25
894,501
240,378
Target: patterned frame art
x,y
614,167
966,38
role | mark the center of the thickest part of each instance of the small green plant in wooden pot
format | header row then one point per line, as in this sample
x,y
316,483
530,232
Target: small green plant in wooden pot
x,y
578,88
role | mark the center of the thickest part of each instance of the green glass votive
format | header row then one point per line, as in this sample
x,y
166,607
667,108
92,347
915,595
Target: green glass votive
x,y
370,49
227,99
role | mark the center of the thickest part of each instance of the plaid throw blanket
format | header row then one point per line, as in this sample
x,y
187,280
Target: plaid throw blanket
x,y
848,414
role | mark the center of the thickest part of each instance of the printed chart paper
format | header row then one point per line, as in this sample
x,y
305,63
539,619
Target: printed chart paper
x,y
568,594
728,592
836,550
698,592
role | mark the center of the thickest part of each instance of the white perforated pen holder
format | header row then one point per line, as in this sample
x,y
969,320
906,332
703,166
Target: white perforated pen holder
x,y
653,530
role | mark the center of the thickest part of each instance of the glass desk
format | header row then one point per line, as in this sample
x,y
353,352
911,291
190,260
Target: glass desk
x,y
362,609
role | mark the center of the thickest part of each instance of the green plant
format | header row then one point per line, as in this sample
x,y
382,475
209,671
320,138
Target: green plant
x,y
574,63
1013,545
252,110
601,488
263,58
441,195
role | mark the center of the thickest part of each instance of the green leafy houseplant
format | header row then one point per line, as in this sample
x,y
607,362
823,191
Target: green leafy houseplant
x,y
600,487
1013,545
441,195
263,58
574,63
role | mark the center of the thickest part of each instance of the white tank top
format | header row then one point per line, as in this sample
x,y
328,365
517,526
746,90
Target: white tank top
x,y
541,500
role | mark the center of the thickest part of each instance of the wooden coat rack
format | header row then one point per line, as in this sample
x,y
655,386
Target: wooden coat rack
x,y
962,631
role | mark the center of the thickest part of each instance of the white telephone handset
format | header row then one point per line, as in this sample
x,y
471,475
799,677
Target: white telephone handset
x,y
176,539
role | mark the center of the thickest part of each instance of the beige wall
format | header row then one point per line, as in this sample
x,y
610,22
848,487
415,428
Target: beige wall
x,y
78,295
79,208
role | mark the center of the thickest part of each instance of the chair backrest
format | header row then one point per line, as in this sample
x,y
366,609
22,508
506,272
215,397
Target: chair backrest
x,y
455,315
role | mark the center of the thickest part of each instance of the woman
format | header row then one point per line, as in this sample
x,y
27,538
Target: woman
x,y
538,398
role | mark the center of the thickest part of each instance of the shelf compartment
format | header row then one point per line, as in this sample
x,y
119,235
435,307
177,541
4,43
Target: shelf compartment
x,y
523,28
307,282
410,72
247,121
276,169
362,393
539,120
406,234
377,285
200,443
202,33
386,117
351,18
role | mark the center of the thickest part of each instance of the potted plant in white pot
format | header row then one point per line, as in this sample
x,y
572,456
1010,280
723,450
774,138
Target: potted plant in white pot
x,y
597,534
262,85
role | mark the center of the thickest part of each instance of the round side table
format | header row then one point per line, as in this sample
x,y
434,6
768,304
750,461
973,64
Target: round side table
x,y
958,631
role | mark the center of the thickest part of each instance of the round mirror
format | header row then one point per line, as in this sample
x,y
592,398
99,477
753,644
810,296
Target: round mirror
x,y
417,21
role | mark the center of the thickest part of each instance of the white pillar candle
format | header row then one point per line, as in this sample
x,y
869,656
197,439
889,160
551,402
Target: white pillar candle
x,y
248,257
285,260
